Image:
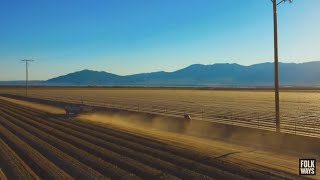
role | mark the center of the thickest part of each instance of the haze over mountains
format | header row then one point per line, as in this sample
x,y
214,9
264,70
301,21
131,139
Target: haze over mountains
x,y
290,74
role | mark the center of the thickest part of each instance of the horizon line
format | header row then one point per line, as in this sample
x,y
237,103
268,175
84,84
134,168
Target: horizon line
x,y
164,71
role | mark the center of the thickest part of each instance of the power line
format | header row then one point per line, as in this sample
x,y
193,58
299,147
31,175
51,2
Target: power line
x,y
276,61
27,63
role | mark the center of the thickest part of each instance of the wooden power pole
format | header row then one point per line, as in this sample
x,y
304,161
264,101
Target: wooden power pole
x,y
27,63
276,61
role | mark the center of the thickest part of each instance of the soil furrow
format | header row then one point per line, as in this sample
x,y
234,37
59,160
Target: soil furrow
x,y
70,165
13,166
44,168
126,163
145,158
84,157
189,164
182,157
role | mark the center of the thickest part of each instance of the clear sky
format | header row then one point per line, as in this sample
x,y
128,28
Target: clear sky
x,y
133,36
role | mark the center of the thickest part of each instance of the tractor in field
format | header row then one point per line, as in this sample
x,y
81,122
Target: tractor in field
x,y
73,109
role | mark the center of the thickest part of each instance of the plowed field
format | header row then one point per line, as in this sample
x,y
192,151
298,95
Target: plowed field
x,y
38,145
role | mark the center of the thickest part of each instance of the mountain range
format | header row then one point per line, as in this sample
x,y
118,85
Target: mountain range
x,y
290,74
203,75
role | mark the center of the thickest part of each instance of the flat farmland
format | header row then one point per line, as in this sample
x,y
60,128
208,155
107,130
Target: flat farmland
x,y
38,145
300,109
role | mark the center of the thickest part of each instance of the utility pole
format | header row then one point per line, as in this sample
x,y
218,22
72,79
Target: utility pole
x,y
276,61
27,63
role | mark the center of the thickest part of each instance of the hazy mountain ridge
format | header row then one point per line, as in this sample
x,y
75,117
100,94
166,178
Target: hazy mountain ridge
x,y
198,74
291,74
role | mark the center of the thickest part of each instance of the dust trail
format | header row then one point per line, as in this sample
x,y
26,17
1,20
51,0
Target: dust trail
x,y
139,121
157,127
42,107
189,136
193,135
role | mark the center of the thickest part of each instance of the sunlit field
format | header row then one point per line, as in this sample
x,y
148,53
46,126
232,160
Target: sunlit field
x,y
300,110
36,144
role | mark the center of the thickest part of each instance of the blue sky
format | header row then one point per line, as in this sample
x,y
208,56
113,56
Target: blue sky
x,y
133,36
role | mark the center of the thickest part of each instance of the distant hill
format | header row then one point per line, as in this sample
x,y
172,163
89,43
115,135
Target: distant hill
x,y
85,77
290,74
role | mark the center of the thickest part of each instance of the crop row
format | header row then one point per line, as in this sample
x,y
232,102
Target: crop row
x,y
13,164
83,156
26,123
105,154
172,168
169,159
44,168
65,162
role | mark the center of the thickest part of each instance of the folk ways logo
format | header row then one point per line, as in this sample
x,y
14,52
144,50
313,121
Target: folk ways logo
x,y
307,166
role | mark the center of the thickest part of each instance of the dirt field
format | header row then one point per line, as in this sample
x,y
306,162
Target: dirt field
x,y
300,109
46,147
41,145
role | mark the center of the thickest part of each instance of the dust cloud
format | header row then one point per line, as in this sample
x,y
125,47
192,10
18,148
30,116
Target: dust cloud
x,y
200,137
201,134
134,120
142,123
195,135
164,129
